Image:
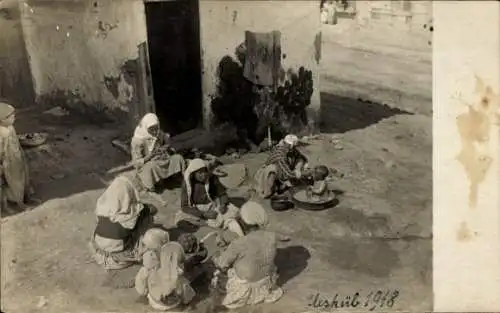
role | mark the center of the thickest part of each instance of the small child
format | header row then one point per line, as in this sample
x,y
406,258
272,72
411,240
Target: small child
x,y
14,173
150,245
319,190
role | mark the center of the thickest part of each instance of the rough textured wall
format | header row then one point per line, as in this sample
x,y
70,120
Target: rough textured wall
x,y
16,86
78,51
223,26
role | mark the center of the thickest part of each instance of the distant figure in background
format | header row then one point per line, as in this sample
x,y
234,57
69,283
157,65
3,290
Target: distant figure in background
x,y
284,165
14,171
247,273
147,141
123,217
328,12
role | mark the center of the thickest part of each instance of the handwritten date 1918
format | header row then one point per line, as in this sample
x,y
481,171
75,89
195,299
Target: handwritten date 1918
x,y
371,301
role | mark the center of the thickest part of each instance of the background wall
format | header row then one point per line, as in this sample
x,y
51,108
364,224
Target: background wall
x,y
16,86
78,50
223,26
382,60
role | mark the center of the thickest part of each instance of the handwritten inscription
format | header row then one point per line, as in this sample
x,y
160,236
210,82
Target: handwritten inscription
x,y
380,299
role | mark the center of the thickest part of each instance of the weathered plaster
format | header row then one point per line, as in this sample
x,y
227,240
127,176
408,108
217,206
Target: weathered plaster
x,y
73,46
223,26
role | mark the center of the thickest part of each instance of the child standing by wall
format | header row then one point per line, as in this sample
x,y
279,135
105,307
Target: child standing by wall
x,y
14,174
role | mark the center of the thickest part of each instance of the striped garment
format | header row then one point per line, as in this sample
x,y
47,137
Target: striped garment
x,y
285,158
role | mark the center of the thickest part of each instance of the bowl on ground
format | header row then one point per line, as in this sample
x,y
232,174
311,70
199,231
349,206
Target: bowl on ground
x,y
30,140
281,203
300,199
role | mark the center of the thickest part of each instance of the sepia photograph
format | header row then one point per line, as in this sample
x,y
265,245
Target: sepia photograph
x,y
216,156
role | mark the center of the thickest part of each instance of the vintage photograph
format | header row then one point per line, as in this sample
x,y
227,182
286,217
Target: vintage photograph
x,y
216,155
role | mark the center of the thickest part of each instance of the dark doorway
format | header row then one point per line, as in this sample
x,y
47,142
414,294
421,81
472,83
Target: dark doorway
x,y
174,55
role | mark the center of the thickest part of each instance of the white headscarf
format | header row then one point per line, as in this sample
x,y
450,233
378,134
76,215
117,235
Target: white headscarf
x,y
154,238
252,213
194,165
119,202
292,140
142,134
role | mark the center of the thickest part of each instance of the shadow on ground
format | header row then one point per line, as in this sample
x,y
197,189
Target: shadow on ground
x,y
75,157
371,257
57,189
345,114
291,261
359,224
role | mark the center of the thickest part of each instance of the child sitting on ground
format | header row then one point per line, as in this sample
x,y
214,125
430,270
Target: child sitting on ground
x,y
319,190
151,243
165,283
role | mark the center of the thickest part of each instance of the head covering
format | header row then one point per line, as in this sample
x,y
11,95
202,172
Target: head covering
x,y
193,166
141,132
163,281
252,213
292,140
154,238
188,242
6,110
119,202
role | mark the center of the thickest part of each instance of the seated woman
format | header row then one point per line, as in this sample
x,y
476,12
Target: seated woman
x,y
283,166
123,216
150,144
248,263
147,138
204,201
165,284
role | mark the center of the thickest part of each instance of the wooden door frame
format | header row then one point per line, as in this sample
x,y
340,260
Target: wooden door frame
x,y
146,68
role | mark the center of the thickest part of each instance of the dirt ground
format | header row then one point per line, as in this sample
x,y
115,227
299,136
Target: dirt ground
x,y
384,152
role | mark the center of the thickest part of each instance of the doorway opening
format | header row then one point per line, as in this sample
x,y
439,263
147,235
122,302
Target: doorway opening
x,y
173,32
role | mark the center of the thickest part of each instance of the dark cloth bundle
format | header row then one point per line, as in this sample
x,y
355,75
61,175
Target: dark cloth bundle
x,y
263,57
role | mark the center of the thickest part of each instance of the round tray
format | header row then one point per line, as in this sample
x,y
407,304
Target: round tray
x,y
32,139
298,197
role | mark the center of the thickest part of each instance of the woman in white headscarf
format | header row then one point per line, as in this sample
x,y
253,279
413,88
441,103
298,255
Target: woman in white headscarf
x,y
204,200
284,164
248,263
149,138
123,216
